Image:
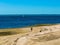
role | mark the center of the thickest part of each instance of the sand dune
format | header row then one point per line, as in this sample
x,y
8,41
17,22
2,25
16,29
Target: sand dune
x,y
40,35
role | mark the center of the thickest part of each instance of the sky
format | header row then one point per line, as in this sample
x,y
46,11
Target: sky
x,y
29,6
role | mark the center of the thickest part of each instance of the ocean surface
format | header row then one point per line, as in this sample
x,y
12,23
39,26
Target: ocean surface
x,y
17,21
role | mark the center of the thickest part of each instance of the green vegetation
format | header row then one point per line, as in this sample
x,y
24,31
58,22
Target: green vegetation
x,y
7,33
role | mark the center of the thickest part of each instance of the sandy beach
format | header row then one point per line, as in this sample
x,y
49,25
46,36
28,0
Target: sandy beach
x,y
38,35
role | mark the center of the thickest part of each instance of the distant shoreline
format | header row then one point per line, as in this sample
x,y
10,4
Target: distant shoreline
x,y
35,25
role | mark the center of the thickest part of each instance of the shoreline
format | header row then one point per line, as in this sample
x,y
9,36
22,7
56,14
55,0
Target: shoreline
x,y
33,29
35,25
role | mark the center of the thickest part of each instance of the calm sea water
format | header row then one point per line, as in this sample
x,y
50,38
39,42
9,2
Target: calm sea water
x,y
14,21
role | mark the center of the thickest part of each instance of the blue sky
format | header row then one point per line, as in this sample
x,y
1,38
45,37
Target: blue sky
x,y
29,6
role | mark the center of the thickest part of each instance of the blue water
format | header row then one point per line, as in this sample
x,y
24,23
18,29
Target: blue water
x,y
16,21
